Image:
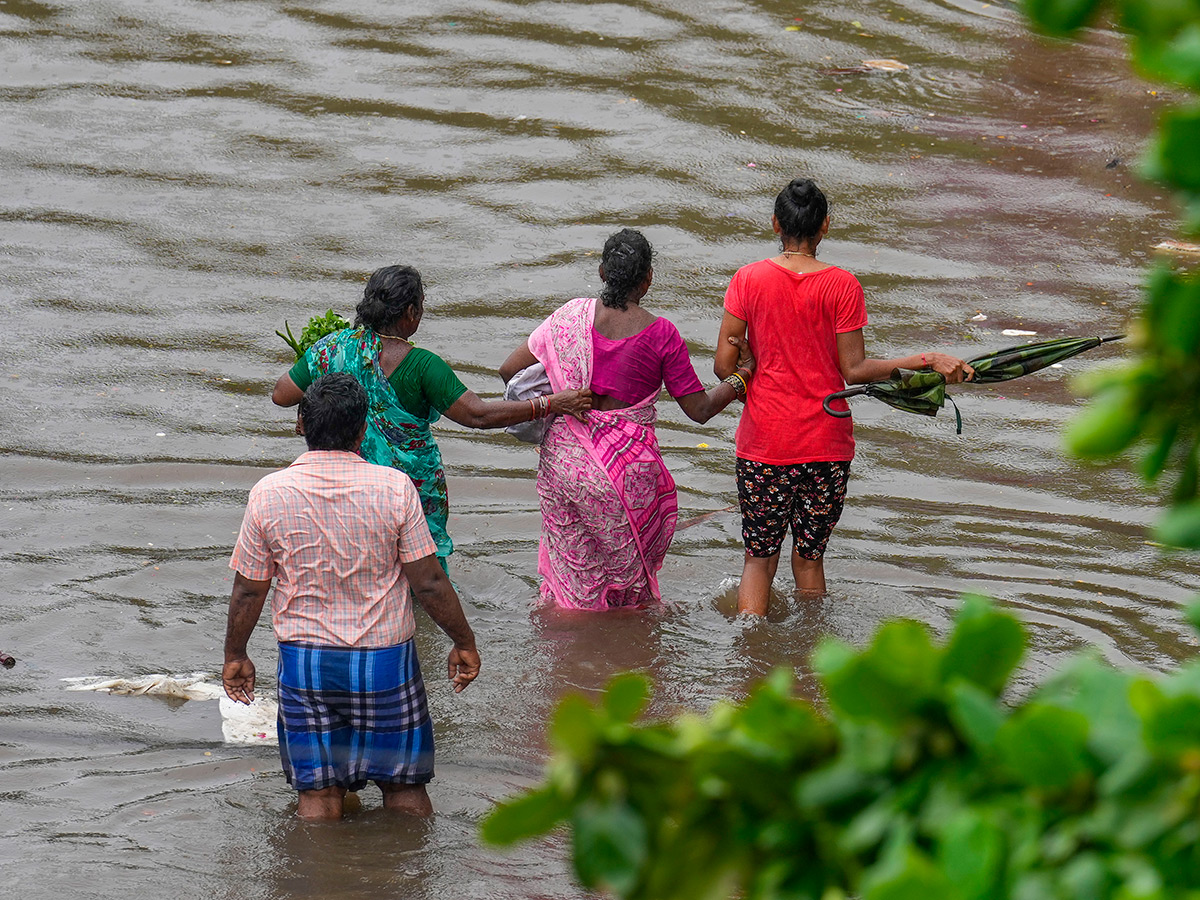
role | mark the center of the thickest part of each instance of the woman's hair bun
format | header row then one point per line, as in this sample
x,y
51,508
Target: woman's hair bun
x,y
801,209
627,260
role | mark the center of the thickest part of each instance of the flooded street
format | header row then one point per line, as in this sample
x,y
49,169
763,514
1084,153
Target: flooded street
x,y
177,180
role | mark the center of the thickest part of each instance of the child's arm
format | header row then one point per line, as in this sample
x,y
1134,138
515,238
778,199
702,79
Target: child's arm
x,y
725,360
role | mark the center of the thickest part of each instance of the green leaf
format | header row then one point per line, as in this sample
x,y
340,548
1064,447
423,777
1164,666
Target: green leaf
x,y
1109,424
1173,157
626,697
971,855
887,681
1086,877
526,816
610,846
1061,17
984,647
1044,746
575,728
1155,460
975,714
1180,527
1157,22
1101,693
1173,309
914,878
1172,726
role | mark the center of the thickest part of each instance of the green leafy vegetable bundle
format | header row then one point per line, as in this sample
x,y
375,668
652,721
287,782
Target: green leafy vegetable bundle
x,y
317,328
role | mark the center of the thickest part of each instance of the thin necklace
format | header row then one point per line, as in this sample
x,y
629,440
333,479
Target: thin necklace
x,y
394,337
797,253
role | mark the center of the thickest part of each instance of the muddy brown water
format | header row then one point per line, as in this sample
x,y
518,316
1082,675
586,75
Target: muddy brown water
x,y
176,180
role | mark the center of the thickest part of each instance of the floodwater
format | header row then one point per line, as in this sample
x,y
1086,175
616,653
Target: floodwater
x,y
177,180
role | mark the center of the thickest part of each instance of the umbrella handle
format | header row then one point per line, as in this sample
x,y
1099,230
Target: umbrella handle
x,y
841,395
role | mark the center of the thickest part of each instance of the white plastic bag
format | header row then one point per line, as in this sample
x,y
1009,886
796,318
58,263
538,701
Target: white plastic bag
x,y
530,382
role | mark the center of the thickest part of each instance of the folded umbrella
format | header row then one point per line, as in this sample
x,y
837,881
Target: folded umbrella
x,y
924,391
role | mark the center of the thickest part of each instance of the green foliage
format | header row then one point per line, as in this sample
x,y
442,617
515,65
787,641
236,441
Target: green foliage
x,y
1152,402
317,328
918,783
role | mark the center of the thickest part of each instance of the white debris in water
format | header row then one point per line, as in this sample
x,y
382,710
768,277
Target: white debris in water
x,y
1017,332
240,723
253,724
979,318
188,687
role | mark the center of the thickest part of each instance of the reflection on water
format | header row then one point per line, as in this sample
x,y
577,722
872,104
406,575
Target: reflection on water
x,y
177,181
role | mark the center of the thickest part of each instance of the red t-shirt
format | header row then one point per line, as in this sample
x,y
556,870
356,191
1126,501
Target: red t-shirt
x,y
793,320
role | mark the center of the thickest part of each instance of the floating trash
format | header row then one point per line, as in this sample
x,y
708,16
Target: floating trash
x,y
979,318
1017,332
1178,246
868,65
188,687
241,723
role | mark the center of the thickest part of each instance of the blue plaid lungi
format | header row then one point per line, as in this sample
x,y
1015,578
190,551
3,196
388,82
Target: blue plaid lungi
x,y
349,716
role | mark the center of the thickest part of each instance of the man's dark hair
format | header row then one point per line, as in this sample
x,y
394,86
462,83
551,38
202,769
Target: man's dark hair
x,y
333,410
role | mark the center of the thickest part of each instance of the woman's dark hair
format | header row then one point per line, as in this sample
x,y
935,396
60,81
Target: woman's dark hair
x,y
389,294
801,209
627,260
333,410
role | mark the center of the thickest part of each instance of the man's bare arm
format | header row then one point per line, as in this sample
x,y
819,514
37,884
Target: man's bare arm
x,y
245,606
433,590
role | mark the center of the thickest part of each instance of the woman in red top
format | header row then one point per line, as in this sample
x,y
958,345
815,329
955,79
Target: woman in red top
x,y
804,320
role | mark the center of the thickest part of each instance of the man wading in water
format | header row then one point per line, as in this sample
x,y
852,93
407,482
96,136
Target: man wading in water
x,y
347,541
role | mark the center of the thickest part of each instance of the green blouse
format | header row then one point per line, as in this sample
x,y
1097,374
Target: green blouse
x,y
423,382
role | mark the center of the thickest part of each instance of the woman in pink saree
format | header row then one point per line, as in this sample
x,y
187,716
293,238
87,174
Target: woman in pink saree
x,y
608,502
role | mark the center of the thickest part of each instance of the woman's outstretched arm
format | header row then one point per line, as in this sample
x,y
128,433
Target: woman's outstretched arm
x,y
857,368
703,405
474,412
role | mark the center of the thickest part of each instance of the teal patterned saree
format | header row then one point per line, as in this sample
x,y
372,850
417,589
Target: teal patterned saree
x,y
395,437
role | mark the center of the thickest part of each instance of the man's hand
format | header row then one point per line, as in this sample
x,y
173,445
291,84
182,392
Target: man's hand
x,y
433,590
464,667
245,606
238,678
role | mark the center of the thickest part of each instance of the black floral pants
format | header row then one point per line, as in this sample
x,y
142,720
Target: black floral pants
x,y
808,497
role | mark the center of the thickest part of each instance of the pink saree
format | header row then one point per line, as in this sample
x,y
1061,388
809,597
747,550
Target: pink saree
x,y
608,502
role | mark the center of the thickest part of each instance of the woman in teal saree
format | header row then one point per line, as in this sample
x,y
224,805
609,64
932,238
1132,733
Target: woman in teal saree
x,y
409,388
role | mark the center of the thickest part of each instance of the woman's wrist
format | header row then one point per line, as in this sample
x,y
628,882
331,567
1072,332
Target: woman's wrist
x,y
737,382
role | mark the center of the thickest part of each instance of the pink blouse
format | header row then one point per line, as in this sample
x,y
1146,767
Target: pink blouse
x,y
633,368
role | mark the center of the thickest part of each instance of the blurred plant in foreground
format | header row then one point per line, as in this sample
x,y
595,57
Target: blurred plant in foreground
x,y
1154,401
919,782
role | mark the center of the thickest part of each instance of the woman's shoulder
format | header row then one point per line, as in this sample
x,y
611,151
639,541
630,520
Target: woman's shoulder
x,y
422,356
